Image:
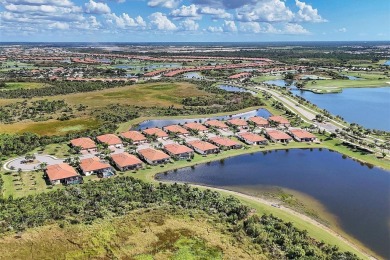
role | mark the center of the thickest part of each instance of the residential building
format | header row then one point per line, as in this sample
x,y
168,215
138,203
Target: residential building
x,y
259,121
218,124
153,156
251,138
111,140
196,127
224,142
85,143
125,161
134,136
179,151
302,135
278,136
62,173
155,131
238,122
279,120
96,166
203,147
176,129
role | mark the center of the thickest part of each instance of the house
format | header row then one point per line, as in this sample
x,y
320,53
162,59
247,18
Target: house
x,y
155,131
125,161
179,151
153,156
278,136
203,147
224,142
302,135
111,140
238,122
176,129
94,165
85,143
251,138
216,123
279,120
259,121
196,127
62,173
135,136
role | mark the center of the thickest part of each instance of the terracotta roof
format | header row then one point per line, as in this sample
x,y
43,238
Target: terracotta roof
x,y
278,135
60,171
153,155
202,145
156,131
195,126
93,164
84,143
224,141
177,149
258,120
176,129
125,159
301,133
251,137
238,122
279,119
109,139
216,123
134,136
240,75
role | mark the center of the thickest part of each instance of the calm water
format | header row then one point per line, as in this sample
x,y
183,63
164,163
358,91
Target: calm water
x,y
163,122
234,89
280,82
387,63
369,107
192,75
357,195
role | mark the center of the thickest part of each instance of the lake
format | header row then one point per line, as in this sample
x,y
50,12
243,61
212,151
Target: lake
x,y
280,82
229,88
357,195
165,122
369,107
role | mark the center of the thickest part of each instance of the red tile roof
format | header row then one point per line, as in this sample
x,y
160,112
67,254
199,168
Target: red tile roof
x,y
60,171
278,135
224,141
176,129
177,149
301,133
125,159
216,123
251,137
196,126
93,164
258,120
84,143
279,119
202,145
157,131
109,139
134,136
153,155
238,122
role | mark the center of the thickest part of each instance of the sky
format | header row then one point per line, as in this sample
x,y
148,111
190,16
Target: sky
x,y
194,20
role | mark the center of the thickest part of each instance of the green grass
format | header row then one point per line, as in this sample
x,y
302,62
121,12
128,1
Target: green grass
x,y
265,78
336,86
24,85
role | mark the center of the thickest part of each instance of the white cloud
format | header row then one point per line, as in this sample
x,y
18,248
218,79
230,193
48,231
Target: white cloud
x,y
189,25
160,22
307,13
293,28
124,21
265,11
217,13
59,25
62,3
164,3
343,30
214,29
250,27
229,26
186,11
96,8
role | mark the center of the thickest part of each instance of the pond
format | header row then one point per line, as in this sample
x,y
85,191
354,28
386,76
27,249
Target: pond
x,y
280,82
387,63
369,107
234,89
358,196
193,75
165,122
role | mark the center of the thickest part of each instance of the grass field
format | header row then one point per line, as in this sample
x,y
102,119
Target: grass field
x,y
24,85
265,78
143,234
52,127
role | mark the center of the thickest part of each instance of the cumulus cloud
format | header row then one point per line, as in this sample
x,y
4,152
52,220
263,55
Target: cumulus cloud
x,y
343,30
216,13
164,3
160,22
229,26
307,13
186,11
63,3
189,25
214,29
250,27
124,21
96,8
293,28
265,11
59,25
226,4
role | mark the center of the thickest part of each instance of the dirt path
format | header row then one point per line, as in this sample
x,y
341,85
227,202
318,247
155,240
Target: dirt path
x,y
292,212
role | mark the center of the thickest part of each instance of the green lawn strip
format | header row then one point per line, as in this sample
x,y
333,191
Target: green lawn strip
x,y
265,78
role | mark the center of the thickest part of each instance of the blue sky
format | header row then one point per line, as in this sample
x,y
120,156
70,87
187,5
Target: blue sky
x,y
194,20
